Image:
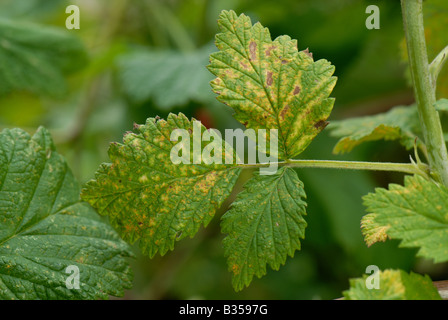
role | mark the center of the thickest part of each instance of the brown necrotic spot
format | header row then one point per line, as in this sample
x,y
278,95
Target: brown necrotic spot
x,y
284,111
296,90
253,50
321,124
244,65
269,79
268,50
308,53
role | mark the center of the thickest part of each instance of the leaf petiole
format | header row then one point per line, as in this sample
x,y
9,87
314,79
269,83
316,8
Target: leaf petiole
x,y
409,168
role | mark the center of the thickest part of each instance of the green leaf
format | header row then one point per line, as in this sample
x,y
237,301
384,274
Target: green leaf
x,y
394,285
400,123
415,213
442,105
170,78
35,58
264,225
44,227
271,85
148,197
32,9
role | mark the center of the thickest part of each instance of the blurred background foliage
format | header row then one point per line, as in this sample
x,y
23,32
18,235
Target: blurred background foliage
x,y
134,59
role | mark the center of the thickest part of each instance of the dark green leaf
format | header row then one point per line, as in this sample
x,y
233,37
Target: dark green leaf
x,y
36,58
44,227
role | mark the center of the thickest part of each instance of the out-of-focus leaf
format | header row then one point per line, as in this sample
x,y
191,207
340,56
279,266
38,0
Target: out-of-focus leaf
x,y
45,228
400,123
394,285
270,84
36,58
30,8
436,18
416,213
148,197
170,78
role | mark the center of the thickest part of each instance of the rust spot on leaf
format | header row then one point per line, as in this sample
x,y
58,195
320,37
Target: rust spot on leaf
x,y
253,50
296,90
235,269
284,61
269,79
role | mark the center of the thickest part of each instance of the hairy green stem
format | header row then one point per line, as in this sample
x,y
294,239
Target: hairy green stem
x,y
423,88
409,168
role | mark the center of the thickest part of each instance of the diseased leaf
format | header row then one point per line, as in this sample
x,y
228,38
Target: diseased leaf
x,y
400,123
394,285
264,225
372,231
271,85
170,78
35,58
44,227
150,198
415,213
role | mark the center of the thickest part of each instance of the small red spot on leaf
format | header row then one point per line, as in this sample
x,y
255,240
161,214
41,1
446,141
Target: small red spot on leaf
x,y
296,90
